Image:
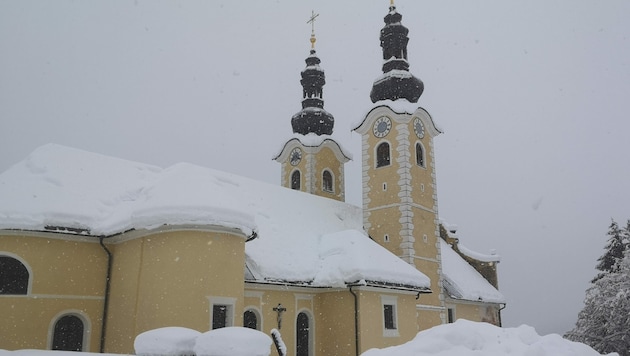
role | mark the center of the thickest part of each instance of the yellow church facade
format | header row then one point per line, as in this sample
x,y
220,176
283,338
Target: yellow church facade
x,y
88,263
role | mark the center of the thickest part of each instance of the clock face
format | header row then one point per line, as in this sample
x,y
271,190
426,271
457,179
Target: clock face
x,y
295,156
382,126
418,128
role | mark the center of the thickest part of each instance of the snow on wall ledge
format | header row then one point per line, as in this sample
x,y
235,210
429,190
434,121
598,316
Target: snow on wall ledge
x,y
462,281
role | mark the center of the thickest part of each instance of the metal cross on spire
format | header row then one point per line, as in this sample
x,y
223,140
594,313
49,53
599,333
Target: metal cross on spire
x,y
312,22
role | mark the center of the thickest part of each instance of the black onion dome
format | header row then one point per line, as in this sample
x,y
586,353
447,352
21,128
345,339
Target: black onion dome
x,y
396,82
313,118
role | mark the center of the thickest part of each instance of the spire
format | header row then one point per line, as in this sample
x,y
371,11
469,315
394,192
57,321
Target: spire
x,y
313,118
396,82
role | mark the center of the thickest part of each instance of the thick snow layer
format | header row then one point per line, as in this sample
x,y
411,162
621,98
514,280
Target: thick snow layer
x,y
477,255
51,353
342,259
394,73
57,186
69,188
462,281
401,106
166,341
467,338
233,341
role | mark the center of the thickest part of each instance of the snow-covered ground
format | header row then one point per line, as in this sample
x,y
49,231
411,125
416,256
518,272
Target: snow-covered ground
x,y
462,338
467,338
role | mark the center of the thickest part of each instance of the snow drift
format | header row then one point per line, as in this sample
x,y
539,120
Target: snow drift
x,y
467,338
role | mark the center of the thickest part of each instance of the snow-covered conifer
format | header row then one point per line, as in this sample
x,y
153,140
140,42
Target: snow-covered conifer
x,y
609,262
604,323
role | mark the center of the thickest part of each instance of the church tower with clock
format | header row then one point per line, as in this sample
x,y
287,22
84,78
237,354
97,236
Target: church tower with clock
x,y
312,161
400,209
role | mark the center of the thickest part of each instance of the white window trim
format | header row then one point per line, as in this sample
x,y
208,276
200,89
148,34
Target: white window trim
x,y
87,327
258,314
291,179
424,155
391,159
393,301
454,309
230,302
332,177
29,287
311,330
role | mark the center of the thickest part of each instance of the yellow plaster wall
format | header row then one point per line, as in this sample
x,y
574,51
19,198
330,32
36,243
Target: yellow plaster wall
x,y
379,195
475,311
326,159
385,221
335,321
28,322
371,323
430,269
60,266
427,319
124,294
67,276
422,176
266,302
178,271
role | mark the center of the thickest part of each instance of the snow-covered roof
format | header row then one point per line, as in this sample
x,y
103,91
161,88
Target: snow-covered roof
x,y
462,281
57,186
302,238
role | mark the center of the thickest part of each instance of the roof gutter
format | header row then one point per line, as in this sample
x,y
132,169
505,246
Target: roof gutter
x,y
251,237
107,293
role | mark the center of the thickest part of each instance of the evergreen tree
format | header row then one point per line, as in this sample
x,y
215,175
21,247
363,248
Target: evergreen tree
x,y
604,323
615,246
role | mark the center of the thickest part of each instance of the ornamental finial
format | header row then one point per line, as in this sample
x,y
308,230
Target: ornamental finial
x,y
312,22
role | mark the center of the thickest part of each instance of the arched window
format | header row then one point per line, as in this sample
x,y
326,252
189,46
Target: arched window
x,y
382,155
250,320
419,154
327,182
68,334
303,335
13,276
295,180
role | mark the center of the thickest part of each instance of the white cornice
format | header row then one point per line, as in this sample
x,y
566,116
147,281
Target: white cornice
x,y
313,147
402,117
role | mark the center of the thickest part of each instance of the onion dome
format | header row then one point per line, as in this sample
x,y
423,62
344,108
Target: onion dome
x,y
396,82
313,118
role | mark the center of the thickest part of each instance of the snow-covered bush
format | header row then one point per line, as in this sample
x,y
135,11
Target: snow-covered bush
x,y
233,341
169,341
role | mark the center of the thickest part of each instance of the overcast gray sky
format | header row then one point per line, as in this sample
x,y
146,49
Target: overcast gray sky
x,y
532,96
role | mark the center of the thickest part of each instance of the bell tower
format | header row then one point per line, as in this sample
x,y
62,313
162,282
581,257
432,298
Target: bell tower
x,y
400,209
312,161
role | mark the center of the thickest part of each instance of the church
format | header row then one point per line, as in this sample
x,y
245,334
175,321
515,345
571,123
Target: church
x,y
95,250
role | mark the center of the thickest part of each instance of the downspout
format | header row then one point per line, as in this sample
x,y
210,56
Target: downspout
x,y
356,320
106,300
500,309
